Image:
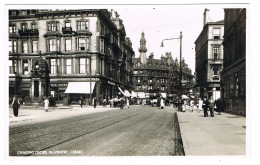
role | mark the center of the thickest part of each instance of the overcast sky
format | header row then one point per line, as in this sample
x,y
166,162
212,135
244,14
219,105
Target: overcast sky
x,y
160,22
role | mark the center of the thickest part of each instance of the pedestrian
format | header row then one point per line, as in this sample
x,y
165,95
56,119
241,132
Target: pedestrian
x,y
211,106
81,101
205,107
15,105
127,102
94,102
161,103
46,104
121,103
192,104
184,105
69,100
104,102
200,104
218,103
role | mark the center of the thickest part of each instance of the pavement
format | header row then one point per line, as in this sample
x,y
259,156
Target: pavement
x,y
32,114
223,134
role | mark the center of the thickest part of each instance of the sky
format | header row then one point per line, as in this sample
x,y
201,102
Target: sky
x,y
160,22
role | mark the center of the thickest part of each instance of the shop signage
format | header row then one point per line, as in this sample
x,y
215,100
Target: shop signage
x,y
60,85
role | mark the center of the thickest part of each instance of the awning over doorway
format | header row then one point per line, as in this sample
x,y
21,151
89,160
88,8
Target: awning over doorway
x,y
80,87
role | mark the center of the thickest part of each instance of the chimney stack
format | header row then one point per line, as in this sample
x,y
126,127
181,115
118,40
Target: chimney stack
x,y
206,16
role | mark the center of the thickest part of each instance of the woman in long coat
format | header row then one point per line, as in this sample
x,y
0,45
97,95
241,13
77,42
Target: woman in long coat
x,y
15,105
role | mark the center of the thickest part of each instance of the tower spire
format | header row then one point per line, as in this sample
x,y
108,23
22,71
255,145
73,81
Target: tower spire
x,y
143,49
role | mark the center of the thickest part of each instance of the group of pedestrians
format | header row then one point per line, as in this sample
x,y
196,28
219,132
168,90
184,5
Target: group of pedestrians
x,y
210,105
206,105
16,105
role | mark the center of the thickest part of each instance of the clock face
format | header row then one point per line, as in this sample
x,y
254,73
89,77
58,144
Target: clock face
x,y
97,33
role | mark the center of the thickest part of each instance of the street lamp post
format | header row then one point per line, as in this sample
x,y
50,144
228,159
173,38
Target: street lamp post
x,y
180,72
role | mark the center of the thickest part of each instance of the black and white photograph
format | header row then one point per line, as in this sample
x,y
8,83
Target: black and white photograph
x,y
128,82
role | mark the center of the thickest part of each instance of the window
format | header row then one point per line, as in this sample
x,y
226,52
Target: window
x,y
34,46
24,27
82,25
68,45
68,66
215,52
25,46
82,65
216,33
83,44
101,46
53,66
215,70
67,24
33,25
25,67
58,45
12,47
52,45
53,26
10,67
162,88
13,12
23,12
12,28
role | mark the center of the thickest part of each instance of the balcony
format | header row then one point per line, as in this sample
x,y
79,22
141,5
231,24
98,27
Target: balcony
x,y
67,30
28,32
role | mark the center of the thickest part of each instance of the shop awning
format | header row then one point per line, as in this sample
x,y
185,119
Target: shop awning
x,y
163,95
121,91
80,87
141,95
134,94
127,93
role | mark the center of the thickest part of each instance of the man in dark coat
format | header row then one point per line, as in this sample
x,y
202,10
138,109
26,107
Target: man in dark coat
x,y
94,102
15,105
219,106
81,101
205,106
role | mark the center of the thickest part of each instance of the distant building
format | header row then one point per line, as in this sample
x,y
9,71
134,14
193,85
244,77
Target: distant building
x,y
233,76
209,58
86,47
158,77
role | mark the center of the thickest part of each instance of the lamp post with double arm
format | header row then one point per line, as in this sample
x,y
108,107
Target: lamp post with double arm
x,y
180,71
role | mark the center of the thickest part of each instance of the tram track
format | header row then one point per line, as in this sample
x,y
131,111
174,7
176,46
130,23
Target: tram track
x,y
53,137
